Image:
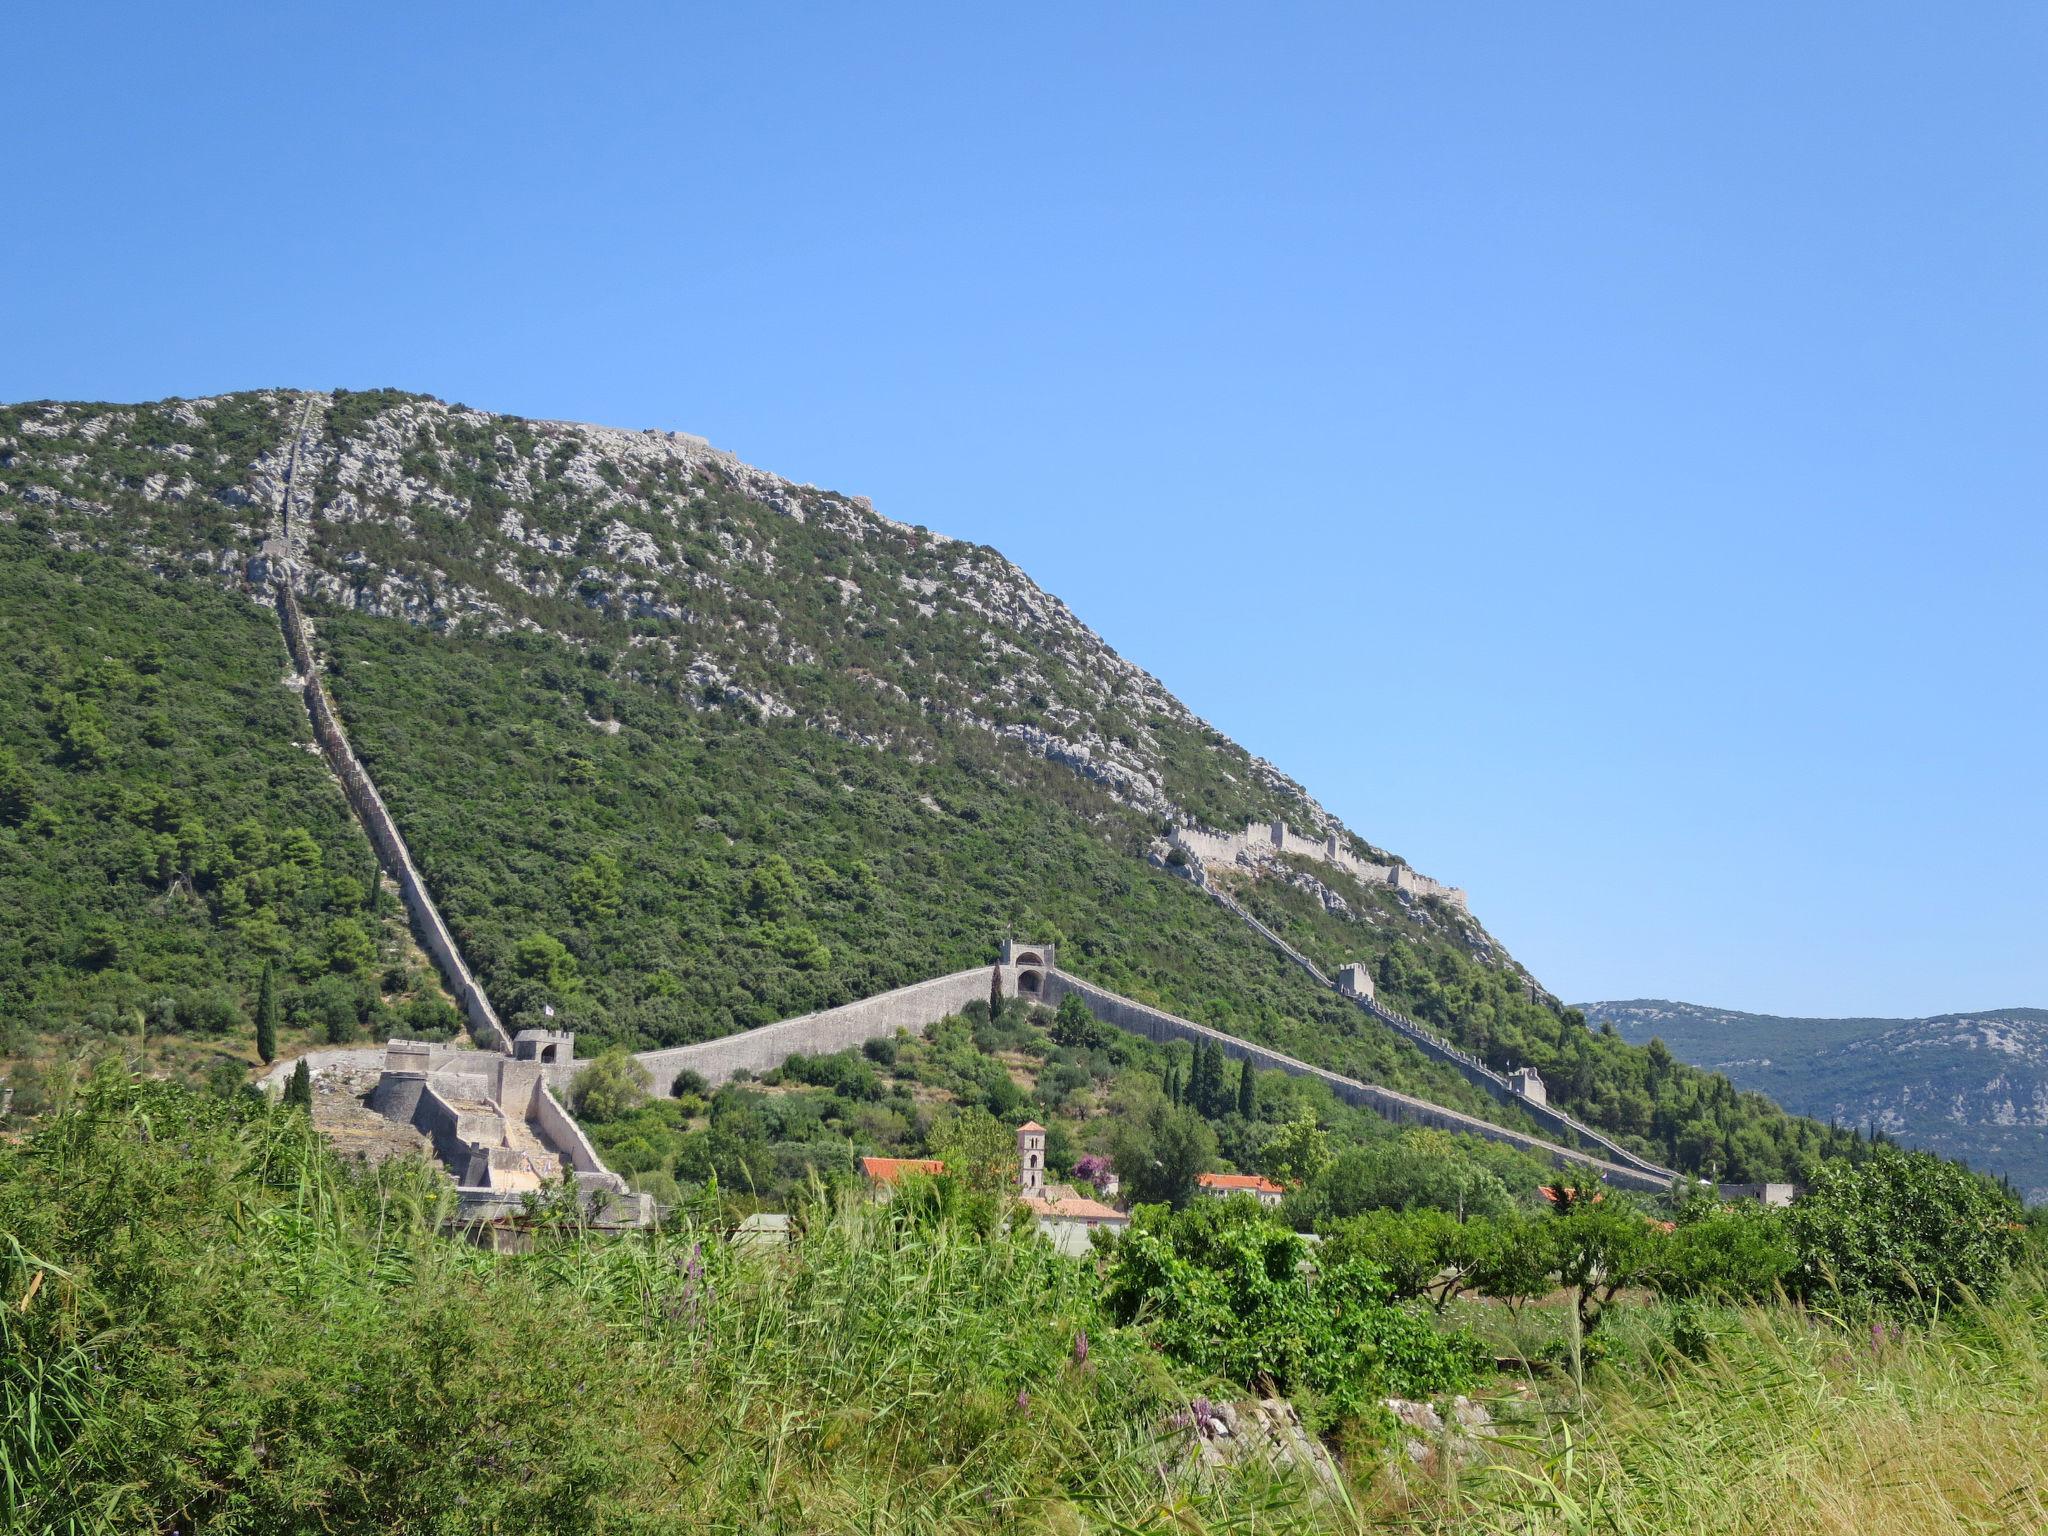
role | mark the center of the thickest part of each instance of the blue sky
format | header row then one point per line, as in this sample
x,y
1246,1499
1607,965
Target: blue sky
x,y
1598,449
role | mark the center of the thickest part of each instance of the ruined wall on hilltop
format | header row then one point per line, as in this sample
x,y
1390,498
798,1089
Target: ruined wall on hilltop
x,y
1260,840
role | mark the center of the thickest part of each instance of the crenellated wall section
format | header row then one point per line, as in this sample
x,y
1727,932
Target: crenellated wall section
x,y
1261,840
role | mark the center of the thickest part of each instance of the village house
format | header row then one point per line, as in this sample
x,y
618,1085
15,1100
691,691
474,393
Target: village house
x,y
883,1174
1221,1186
1065,1217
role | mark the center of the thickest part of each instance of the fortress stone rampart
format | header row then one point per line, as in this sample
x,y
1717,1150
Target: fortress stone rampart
x,y
1262,840
369,807
919,1006
829,1030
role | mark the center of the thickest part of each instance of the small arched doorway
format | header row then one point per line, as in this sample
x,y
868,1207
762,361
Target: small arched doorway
x,y
1029,983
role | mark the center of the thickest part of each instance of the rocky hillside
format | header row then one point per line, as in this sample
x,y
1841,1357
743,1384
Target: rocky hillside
x,y
750,591
1967,1085
683,747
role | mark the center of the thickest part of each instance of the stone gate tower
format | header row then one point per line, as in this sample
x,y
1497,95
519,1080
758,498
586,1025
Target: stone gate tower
x,y
1032,962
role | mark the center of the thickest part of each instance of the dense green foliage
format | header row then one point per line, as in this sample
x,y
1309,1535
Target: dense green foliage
x,y
1223,1289
166,838
207,1326
1903,1230
697,872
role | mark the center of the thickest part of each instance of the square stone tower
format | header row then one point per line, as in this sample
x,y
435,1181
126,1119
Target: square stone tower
x,y
1032,962
1355,980
1031,1160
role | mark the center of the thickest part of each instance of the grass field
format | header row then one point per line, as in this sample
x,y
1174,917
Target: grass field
x,y
208,1325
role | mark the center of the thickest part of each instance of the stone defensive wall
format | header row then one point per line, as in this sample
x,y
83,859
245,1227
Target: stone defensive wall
x,y
1157,1024
369,807
830,1030
924,1003
558,1128
1434,1046
1276,837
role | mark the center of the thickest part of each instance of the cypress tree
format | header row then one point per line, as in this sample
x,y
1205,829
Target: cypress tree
x,y
995,992
266,1015
1205,1086
1173,1082
1244,1088
300,1090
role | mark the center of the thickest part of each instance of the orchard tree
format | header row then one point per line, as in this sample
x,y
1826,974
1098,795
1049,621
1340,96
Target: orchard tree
x,y
1902,1230
1598,1248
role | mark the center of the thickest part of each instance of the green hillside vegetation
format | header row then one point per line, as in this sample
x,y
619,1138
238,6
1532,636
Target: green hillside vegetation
x,y
1692,1120
1110,1102
700,872
683,749
165,833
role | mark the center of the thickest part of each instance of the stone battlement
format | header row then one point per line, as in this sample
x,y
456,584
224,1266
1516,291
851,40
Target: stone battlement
x,y
1262,840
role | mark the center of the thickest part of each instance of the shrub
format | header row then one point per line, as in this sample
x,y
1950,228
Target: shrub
x,y
609,1086
1904,1231
1725,1253
1226,1290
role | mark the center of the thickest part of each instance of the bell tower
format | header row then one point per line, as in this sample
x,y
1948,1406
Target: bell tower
x,y
1031,1160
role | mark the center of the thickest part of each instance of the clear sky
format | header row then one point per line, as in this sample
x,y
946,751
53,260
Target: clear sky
x,y
1598,448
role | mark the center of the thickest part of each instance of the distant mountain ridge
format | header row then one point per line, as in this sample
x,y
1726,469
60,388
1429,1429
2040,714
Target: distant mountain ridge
x,y
1968,1085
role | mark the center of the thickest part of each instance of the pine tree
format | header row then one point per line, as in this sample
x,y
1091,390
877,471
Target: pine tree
x,y
300,1090
266,1015
1245,1101
995,992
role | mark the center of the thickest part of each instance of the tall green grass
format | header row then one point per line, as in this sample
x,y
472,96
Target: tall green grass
x,y
233,1334
208,1326
1774,1420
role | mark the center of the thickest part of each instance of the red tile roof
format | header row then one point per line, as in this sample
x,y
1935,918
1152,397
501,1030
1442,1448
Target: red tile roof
x,y
1250,1183
888,1170
1075,1208
1030,1125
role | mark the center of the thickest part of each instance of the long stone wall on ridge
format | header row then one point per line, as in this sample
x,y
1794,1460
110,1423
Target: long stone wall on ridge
x,y
356,783
915,1007
1470,1067
924,1003
376,819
